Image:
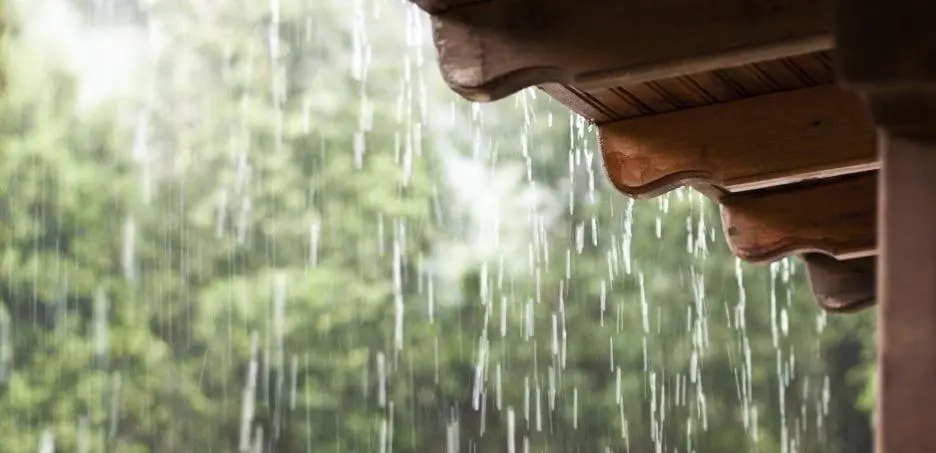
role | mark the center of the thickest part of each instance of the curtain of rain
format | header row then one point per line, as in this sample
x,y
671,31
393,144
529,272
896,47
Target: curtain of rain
x,y
253,227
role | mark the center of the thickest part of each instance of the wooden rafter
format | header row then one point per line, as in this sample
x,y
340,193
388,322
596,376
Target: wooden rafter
x,y
749,144
842,286
490,49
835,216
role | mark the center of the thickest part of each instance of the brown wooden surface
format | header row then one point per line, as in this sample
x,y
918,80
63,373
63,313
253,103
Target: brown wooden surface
x,y
758,142
907,313
842,286
618,102
836,217
490,49
886,52
886,42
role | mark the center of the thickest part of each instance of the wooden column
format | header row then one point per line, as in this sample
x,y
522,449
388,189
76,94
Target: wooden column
x,y
907,294
885,51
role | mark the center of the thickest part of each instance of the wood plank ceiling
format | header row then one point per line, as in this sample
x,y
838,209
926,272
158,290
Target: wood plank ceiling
x,y
734,98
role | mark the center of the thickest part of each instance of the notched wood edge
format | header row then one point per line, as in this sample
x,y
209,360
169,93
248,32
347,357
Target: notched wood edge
x,y
792,246
466,76
842,286
861,159
791,243
797,246
504,86
688,178
469,82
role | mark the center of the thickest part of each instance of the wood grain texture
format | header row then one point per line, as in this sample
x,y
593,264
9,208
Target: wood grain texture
x,y
490,49
907,311
753,143
836,217
699,89
581,102
887,51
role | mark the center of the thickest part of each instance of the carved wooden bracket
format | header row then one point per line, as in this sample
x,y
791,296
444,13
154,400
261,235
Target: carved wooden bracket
x,y
842,286
491,49
749,144
833,216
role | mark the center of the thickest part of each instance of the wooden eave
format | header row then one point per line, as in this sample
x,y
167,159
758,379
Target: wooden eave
x,y
735,98
806,182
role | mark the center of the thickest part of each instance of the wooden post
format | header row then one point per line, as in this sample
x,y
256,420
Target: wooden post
x,y
885,51
907,294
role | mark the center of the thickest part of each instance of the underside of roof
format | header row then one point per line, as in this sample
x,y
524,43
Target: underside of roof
x,y
749,114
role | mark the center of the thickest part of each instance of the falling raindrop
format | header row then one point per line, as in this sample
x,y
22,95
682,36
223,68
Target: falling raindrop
x,y
249,394
315,232
381,380
6,347
128,256
452,442
101,334
47,442
511,431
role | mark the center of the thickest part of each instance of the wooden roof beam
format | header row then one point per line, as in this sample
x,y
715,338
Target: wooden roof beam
x,y
842,286
836,217
743,145
491,49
